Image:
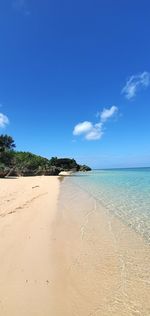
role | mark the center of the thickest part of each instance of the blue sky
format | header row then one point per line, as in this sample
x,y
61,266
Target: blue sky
x,y
65,63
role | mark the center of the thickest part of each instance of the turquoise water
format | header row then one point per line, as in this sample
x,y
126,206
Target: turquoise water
x,y
124,192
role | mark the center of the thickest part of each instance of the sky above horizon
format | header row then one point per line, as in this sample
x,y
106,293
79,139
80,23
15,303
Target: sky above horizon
x,y
75,79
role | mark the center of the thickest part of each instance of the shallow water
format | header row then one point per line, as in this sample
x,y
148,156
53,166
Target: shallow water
x,y
124,192
101,265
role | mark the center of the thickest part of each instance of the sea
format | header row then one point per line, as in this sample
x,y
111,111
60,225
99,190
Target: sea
x,y
103,236
123,192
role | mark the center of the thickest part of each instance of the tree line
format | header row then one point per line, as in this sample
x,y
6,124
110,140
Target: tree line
x,y
20,163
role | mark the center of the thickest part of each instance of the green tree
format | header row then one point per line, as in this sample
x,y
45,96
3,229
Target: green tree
x,y
7,145
53,161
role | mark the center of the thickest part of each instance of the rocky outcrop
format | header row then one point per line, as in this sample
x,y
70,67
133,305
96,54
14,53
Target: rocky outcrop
x,y
84,168
67,164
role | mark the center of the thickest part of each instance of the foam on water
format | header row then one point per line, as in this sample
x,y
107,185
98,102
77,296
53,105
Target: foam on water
x,y
124,192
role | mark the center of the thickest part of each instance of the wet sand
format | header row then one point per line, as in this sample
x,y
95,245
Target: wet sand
x,y
101,266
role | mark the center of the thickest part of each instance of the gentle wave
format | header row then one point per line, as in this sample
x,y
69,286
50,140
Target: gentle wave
x,y
124,192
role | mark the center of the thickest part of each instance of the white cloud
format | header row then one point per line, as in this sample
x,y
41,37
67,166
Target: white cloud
x,y
3,120
90,130
82,128
107,113
135,83
94,131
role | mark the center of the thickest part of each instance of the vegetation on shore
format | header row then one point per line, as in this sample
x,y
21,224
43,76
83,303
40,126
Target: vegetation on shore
x,y
18,163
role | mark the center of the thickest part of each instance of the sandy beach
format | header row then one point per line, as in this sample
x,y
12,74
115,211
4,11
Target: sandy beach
x,y
27,210
62,254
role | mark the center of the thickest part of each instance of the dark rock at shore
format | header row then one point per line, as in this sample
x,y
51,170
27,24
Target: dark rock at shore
x,y
85,168
67,164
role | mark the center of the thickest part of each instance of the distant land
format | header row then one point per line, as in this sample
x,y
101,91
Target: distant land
x,y
20,163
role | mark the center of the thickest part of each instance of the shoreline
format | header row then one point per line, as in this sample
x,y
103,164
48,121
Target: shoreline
x,y
101,265
62,253
27,211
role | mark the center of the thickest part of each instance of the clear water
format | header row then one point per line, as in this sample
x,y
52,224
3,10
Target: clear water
x,y
125,192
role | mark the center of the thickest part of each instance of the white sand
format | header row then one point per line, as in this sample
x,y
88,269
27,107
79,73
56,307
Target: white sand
x,y
27,210
78,260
